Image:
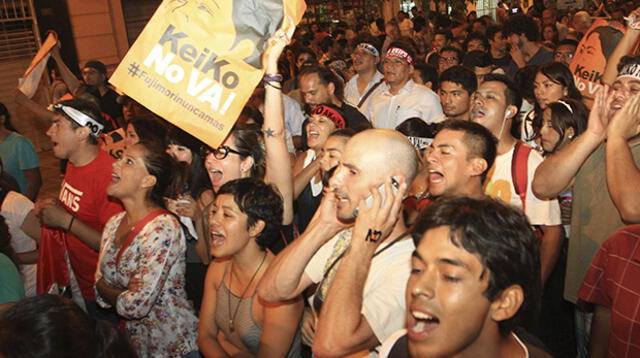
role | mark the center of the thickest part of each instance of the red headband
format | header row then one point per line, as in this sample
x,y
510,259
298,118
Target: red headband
x,y
398,52
330,113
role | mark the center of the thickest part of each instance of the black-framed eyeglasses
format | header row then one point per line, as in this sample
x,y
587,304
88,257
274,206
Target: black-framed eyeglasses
x,y
220,152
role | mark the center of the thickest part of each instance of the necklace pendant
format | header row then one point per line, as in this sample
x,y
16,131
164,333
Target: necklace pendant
x,y
231,327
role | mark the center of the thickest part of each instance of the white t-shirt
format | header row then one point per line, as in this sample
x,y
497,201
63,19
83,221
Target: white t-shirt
x,y
383,303
15,209
500,185
413,100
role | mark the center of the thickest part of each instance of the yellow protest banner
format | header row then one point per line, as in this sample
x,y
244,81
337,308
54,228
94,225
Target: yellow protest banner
x,y
196,62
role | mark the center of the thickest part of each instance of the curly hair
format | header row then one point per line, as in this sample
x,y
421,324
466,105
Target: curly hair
x,y
260,202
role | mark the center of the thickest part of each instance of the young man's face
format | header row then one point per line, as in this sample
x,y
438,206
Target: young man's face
x,y
447,310
476,45
363,60
489,107
623,89
498,42
92,77
314,92
449,165
564,54
64,137
447,60
454,99
439,41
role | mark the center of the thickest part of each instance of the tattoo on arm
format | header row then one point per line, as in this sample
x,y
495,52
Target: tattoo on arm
x,y
270,132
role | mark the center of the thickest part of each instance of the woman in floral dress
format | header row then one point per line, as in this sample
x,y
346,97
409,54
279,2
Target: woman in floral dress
x,y
142,257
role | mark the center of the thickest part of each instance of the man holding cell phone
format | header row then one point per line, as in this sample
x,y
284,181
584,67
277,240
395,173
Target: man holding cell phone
x,y
358,253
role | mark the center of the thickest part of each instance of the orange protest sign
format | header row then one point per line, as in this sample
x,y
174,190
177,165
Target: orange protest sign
x,y
196,63
590,60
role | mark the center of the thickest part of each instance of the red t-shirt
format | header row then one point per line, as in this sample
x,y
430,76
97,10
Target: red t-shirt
x,y
83,193
613,281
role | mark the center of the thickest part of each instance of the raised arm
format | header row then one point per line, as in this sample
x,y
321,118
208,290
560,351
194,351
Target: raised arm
x,y
286,278
623,176
624,47
557,172
342,327
72,82
278,161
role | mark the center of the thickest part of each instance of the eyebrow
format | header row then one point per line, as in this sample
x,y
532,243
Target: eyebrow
x,y
443,260
453,262
332,150
351,166
445,145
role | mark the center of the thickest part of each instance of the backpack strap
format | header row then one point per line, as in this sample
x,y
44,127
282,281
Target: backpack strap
x,y
369,92
519,171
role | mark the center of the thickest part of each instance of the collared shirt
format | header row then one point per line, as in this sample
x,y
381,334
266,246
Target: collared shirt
x,y
413,100
353,96
612,281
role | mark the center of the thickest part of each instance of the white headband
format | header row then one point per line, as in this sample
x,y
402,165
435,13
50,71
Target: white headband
x,y
632,70
369,48
566,105
420,143
82,119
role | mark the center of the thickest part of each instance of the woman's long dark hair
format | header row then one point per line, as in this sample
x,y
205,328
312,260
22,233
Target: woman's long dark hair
x,y
169,176
560,74
197,180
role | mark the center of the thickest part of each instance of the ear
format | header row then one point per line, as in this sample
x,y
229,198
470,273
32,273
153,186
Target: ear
x,y
478,166
511,112
569,133
148,181
565,92
257,228
332,88
507,303
246,165
82,132
429,85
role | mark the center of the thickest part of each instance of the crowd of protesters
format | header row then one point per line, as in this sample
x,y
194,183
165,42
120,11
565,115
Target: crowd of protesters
x,y
436,185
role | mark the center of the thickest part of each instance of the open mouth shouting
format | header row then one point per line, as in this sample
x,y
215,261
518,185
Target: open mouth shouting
x,y
421,323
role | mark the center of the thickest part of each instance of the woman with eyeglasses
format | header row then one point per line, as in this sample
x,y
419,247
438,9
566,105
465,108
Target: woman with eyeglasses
x,y
248,152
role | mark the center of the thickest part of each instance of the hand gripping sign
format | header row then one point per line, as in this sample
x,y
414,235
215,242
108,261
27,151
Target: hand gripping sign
x,y
197,62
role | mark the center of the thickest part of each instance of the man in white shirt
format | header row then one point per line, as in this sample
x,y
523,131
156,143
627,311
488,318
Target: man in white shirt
x,y
495,104
361,265
367,81
401,98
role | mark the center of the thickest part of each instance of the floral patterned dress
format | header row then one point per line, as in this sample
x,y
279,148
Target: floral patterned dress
x,y
159,320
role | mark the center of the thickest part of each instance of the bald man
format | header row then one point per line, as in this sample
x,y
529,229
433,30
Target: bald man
x,y
360,290
581,22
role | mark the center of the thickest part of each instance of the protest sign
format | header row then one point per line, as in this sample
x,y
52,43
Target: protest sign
x,y
590,60
30,80
196,63
113,142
